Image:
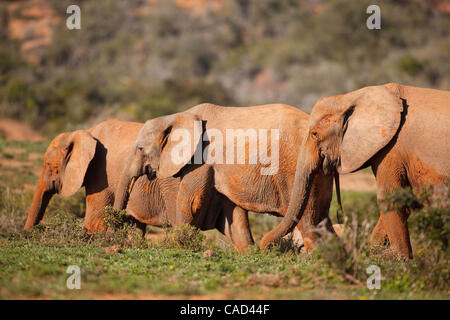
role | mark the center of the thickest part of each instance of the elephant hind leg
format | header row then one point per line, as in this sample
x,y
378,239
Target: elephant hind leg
x,y
240,230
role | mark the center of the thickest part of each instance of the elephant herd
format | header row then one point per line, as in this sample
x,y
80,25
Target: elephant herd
x,y
401,132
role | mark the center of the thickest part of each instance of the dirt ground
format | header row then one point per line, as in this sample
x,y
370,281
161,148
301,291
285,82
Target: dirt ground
x,y
13,130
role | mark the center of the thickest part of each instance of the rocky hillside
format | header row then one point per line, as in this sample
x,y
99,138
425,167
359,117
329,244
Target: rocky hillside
x,y
138,59
32,22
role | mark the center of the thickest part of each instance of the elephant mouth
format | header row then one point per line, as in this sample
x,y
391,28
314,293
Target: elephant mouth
x,y
149,172
325,162
328,163
55,186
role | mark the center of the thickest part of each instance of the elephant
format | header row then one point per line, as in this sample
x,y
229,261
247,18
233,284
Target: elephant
x,y
89,158
94,159
401,132
245,183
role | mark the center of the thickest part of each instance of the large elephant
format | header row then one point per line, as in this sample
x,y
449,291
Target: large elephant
x,y
260,185
401,132
94,159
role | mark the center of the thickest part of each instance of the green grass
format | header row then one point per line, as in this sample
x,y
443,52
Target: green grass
x,y
33,265
33,270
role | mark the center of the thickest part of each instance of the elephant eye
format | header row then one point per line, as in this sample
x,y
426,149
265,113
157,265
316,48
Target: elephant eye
x,y
140,149
314,135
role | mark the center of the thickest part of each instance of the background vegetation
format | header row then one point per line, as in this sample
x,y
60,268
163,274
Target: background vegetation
x,y
139,59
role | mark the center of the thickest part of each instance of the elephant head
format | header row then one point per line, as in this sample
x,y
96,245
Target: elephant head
x,y
162,148
65,164
345,131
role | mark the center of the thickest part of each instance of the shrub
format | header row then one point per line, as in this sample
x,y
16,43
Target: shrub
x,y
430,211
185,237
347,254
116,219
429,224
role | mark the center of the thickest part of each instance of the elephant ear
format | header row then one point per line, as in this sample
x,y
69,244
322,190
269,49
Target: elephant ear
x,y
374,115
79,152
179,142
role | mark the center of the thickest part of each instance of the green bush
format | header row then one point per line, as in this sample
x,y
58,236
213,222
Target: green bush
x,y
185,237
116,219
349,253
429,224
430,211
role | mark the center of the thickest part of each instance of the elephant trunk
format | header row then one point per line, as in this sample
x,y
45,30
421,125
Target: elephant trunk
x,y
307,165
123,192
41,198
129,176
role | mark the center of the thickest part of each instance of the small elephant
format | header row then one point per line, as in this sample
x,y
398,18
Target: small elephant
x,y
401,132
94,159
260,185
89,158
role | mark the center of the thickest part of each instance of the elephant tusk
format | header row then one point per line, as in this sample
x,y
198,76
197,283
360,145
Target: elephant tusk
x,y
338,194
130,188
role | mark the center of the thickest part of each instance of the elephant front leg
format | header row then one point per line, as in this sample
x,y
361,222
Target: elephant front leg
x,y
379,234
396,226
310,228
95,214
194,195
391,175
